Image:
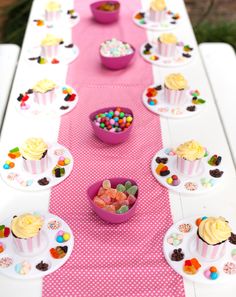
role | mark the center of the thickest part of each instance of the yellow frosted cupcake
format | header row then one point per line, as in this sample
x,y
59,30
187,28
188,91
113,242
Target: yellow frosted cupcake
x,y
157,11
50,46
175,89
52,11
34,155
44,92
212,235
189,158
166,45
26,232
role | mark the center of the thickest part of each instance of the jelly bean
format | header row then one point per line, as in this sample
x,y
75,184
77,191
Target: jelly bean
x,y
214,275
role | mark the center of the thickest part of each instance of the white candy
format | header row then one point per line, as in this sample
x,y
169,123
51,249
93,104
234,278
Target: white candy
x,y
115,48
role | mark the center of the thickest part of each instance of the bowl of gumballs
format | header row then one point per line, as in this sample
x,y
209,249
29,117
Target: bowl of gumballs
x,y
112,125
114,200
105,12
116,54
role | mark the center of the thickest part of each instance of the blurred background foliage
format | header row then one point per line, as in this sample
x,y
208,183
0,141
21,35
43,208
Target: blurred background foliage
x,y
213,20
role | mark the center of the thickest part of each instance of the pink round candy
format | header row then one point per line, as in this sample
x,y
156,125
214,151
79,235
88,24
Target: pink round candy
x,y
112,122
60,233
117,113
97,124
61,158
207,273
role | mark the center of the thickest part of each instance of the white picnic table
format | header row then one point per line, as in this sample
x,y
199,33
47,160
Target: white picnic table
x,y
207,128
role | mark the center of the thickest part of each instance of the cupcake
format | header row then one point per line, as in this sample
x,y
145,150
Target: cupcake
x,y
44,92
34,154
175,89
157,11
52,11
26,232
50,46
166,45
189,158
212,235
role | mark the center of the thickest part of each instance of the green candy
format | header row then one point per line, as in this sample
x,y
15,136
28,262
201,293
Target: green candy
x,y
14,150
122,115
132,190
102,125
122,209
2,227
120,188
128,185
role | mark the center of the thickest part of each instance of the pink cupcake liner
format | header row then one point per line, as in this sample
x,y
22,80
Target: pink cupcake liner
x,y
36,166
157,16
188,168
210,252
50,51
27,245
175,97
45,98
166,50
52,16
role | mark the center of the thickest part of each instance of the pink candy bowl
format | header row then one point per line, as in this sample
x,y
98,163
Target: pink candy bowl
x,y
107,136
116,63
105,215
104,17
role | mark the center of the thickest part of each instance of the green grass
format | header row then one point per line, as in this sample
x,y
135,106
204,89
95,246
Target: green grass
x,y
216,32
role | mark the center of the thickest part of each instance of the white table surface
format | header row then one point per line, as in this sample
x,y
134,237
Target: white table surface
x,y
8,60
220,63
206,128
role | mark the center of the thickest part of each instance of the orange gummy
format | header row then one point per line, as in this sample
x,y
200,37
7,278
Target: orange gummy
x,y
195,263
54,253
190,269
1,249
61,163
99,202
120,196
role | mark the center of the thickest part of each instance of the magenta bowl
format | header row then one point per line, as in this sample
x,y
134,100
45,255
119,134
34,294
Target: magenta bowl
x,y
105,215
107,136
104,17
117,63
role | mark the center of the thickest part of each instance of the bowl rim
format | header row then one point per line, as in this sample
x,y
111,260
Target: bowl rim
x,y
105,131
133,48
104,11
114,214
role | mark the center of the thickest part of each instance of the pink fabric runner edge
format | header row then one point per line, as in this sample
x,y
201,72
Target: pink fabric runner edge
x,y
111,260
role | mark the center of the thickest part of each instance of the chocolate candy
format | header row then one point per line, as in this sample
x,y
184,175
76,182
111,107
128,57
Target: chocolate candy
x,y
216,173
191,108
162,170
232,238
215,160
58,171
114,120
42,266
43,182
177,255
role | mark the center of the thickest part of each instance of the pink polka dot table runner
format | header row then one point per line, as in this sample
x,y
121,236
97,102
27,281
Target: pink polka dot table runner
x,y
111,260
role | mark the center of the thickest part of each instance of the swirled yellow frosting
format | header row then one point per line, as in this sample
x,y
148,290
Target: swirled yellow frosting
x,y
50,39
176,81
158,5
190,150
168,38
214,230
26,225
33,148
44,86
53,6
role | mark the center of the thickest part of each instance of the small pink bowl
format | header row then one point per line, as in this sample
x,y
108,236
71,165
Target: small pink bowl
x,y
117,63
105,215
107,136
104,17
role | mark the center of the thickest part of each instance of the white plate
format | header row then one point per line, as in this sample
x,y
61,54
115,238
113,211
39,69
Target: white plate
x,y
65,55
145,22
188,247
176,61
195,180
49,237
171,111
65,20
58,108
23,177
